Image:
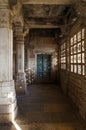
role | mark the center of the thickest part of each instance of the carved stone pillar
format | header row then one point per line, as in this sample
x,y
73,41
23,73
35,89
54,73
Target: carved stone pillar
x,y
20,79
8,105
26,53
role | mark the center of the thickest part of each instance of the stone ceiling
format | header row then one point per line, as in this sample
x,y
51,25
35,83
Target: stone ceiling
x,y
46,14
50,13
43,32
46,17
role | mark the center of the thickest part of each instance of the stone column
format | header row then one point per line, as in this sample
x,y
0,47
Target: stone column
x,y
21,78
26,53
8,106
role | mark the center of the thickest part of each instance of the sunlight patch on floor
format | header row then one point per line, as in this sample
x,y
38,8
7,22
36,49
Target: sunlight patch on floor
x,y
16,125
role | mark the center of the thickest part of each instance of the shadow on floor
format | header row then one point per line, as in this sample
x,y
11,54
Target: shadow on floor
x,y
45,108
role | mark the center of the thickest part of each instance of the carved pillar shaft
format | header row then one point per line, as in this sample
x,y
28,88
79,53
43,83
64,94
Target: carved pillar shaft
x,y
21,79
8,106
26,53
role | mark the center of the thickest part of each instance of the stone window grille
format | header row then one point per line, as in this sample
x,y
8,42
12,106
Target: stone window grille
x,y
63,55
77,53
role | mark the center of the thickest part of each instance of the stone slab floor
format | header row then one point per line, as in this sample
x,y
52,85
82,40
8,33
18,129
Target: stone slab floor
x,y
45,108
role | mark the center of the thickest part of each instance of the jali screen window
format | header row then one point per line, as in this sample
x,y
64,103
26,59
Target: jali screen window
x,y
77,53
63,56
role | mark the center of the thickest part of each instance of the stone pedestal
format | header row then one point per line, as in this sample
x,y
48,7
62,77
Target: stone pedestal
x,y
8,105
21,83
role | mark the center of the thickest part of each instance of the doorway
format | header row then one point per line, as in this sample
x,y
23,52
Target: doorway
x,y
43,66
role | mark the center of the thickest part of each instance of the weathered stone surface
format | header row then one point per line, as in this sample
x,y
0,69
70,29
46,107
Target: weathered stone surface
x,y
6,54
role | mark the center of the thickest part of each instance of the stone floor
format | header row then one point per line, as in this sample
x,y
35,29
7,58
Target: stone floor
x,y
45,108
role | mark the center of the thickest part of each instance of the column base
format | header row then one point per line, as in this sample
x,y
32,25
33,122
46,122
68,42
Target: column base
x,y
8,102
8,117
21,84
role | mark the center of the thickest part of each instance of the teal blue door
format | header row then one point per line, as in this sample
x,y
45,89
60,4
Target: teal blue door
x,y
43,66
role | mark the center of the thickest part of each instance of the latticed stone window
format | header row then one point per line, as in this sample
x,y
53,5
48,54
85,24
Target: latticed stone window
x,y
77,53
63,56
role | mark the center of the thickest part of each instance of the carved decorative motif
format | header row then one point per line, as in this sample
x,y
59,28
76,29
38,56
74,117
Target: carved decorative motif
x,y
4,18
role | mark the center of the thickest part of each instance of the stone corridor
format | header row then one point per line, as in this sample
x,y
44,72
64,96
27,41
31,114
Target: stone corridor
x,y
45,108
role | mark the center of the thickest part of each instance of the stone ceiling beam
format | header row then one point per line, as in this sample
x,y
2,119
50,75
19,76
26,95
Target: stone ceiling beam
x,y
31,26
49,2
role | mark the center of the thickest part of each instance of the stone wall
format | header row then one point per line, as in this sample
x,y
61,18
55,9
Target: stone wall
x,y
74,85
42,45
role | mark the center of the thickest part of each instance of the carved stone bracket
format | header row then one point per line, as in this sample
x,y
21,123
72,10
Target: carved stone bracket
x,y
80,7
12,3
16,11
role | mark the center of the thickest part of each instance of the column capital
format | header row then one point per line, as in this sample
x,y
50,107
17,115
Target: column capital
x,y
18,28
20,39
19,33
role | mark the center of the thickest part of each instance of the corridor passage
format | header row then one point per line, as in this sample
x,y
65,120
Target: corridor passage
x,y
45,108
